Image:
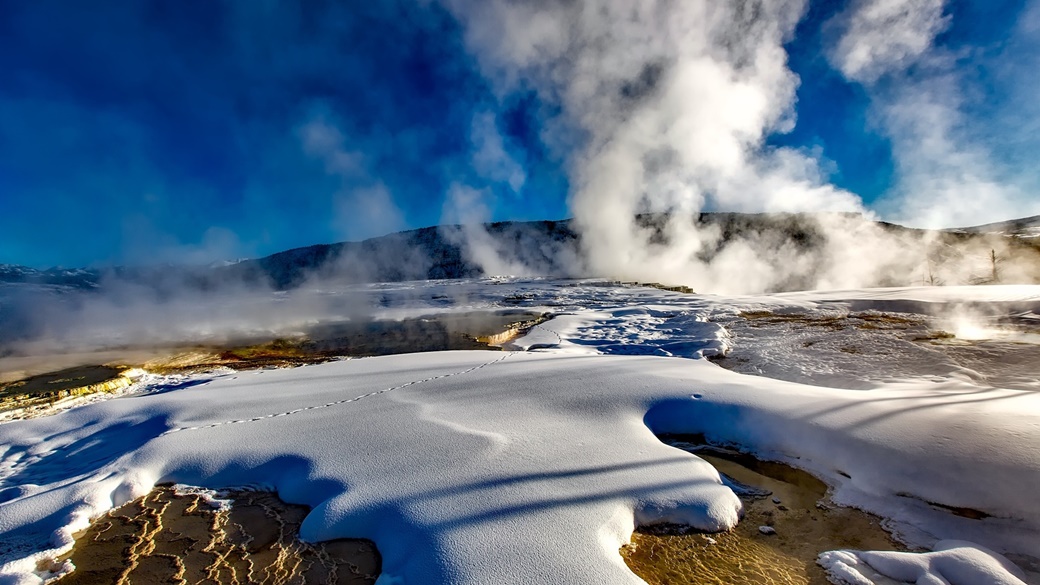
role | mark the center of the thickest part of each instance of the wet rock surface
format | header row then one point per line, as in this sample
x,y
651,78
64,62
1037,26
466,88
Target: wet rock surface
x,y
364,338
859,350
36,395
788,522
54,386
175,537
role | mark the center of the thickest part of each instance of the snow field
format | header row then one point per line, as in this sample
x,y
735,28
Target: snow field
x,y
487,467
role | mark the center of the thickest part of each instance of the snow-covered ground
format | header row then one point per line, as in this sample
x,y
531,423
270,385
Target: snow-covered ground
x,y
535,466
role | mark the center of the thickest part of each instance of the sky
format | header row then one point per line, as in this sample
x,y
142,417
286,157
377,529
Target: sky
x,y
138,131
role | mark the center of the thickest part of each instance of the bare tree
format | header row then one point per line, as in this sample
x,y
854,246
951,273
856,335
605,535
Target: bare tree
x,y
994,261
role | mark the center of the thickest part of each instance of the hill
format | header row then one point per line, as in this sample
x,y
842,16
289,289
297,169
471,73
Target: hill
x,y
545,248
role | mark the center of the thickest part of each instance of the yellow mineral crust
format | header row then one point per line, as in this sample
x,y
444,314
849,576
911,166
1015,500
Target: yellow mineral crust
x,y
776,543
171,537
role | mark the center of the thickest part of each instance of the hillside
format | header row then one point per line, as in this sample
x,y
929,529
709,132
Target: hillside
x,y
553,248
1027,227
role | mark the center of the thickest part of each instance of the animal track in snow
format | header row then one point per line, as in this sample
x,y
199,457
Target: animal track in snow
x,y
338,402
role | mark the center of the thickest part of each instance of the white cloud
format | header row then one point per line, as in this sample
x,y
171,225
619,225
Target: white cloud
x,y
363,206
490,158
666,105
323,140
945,141
366,212
465,205
881,36
149,244
945,177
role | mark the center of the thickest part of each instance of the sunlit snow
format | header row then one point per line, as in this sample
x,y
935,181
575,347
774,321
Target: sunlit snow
x,y
535,466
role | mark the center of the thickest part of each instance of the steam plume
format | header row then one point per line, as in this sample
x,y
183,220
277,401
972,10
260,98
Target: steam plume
x,y
948,170
672,102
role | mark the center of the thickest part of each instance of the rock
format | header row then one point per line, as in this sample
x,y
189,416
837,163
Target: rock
x,y
767,530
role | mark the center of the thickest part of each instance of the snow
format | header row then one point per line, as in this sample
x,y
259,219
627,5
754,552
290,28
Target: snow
x,y
891,450
1025,294
484,458
535,466
952,563
644,330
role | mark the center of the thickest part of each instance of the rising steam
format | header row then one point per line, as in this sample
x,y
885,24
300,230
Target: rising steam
x,y
674,100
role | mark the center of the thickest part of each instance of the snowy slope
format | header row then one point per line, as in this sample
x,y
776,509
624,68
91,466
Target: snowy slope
x,y
1024,227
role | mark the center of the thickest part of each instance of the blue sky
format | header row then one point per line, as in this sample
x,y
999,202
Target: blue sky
x,y
140,131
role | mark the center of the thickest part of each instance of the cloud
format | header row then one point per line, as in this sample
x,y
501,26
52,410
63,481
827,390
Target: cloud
x,y
490,159
503,249
467,209
946,176
931,102
879,36
369,211
323,140
465,205
462,223
200,116
149,244
363,205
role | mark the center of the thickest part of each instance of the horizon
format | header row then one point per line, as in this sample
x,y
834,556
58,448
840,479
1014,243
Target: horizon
x,y
144,134
220,261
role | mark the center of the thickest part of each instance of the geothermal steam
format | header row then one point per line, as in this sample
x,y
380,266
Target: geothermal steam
x,y
673,101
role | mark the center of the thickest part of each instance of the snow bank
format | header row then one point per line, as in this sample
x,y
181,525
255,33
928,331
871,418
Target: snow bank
x,y
463,467
952,563
1003,293
664,330
902,452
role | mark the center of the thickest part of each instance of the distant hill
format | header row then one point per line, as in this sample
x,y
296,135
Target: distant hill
x,y
422,254
426,253
1027,227
444,252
